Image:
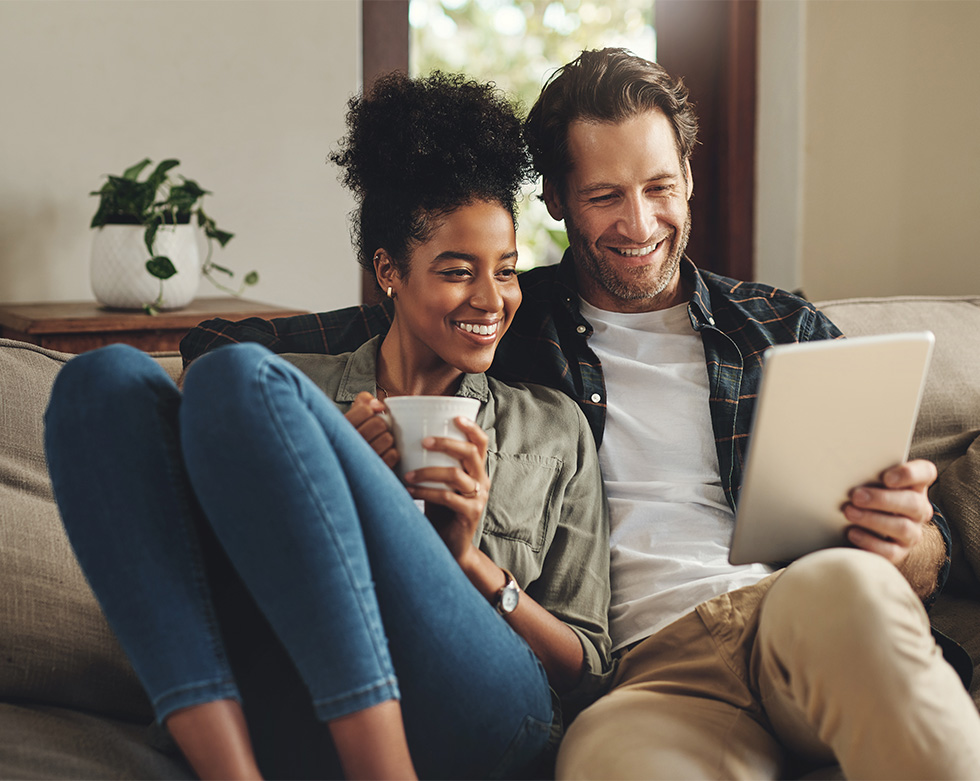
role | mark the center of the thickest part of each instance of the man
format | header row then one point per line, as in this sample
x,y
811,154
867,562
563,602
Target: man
x,y
722,671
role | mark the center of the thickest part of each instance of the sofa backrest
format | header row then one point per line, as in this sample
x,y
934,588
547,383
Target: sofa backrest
x,y
55,645
949,420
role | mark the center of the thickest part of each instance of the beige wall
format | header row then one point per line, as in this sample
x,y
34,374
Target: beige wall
x,y
248,95
891,183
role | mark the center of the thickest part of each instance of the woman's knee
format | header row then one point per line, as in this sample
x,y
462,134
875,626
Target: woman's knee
x,y
226,366
105,368
107,380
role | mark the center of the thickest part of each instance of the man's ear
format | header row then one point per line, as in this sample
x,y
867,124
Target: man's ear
x,y
552,200
690,178
384,270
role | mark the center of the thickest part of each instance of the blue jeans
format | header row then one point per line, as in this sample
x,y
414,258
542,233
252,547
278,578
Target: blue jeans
x,y
255,466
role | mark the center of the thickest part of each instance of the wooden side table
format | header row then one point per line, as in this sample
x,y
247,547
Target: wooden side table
x,y
78,326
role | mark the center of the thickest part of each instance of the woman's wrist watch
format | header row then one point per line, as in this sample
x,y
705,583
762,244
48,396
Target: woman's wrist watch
x,y
508,596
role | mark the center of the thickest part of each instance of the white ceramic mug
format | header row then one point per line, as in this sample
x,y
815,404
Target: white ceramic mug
x,y
413,418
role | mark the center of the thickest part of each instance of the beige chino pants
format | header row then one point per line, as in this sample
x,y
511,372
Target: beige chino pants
x,y
828,661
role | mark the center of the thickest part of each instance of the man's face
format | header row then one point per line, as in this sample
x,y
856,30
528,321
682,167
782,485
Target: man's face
x,y
625,208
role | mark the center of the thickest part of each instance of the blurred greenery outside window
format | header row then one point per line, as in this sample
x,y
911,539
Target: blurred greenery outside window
x,y
518,44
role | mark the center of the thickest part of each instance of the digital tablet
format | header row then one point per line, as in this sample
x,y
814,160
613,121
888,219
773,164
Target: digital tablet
x,y
831,415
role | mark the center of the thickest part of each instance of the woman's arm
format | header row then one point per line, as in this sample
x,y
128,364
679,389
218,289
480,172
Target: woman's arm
x,y
551,639
455,513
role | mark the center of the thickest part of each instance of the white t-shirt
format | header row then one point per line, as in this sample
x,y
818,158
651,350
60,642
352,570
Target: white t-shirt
x,y
670,523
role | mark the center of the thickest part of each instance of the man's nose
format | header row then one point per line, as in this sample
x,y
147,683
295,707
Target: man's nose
x,y
638,221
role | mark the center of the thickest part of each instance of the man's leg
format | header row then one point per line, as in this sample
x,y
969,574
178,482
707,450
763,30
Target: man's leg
x,y
844,645
679,708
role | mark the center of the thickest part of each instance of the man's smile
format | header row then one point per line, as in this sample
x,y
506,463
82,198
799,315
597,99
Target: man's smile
x,y
639,252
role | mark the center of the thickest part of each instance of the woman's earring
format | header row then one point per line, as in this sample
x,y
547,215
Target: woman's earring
x,y
389,292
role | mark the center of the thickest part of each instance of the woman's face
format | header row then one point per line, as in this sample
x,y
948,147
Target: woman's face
x,y
461,292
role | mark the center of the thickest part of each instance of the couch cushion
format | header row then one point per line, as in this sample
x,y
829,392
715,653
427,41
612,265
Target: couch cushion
x,y
55,645
43,742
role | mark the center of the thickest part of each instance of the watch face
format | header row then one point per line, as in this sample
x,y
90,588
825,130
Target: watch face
x,y
508,599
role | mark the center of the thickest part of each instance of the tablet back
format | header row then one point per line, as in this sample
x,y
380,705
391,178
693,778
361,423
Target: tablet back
x,y
831,415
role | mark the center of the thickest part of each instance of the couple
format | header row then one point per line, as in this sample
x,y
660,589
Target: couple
x,y
719,671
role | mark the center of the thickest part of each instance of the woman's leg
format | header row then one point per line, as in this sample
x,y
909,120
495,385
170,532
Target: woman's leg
x,y
114,456
340,561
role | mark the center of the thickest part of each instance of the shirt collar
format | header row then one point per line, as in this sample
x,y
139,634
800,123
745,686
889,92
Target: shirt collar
x,y
700,305
361,373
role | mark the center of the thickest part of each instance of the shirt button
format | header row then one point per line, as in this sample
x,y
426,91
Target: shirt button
x,y
581,329
596,398
711,321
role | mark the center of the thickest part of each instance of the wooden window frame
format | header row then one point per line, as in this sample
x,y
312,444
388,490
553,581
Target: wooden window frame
x,y
712,44
384,48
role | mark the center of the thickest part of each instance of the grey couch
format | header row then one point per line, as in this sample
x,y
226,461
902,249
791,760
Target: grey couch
x,y
70,706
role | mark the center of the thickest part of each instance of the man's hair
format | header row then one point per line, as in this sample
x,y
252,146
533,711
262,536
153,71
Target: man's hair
x,y
417,149
603,85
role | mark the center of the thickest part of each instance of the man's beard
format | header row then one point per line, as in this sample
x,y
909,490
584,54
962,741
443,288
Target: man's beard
x,y
623,283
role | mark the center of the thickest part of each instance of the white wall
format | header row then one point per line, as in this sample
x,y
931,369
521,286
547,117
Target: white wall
x,y
887,194
249,96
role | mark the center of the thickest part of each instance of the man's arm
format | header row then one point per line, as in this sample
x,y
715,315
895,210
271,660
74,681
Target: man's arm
x,y
895,519
330,333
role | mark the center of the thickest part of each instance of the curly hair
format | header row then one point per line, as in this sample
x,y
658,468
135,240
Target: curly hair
x,y
604,85
418,149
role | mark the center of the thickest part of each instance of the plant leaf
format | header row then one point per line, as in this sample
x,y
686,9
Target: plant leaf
x,y
150,234
134,171
161,267
191,187
251,278
182,199
222,237
159,175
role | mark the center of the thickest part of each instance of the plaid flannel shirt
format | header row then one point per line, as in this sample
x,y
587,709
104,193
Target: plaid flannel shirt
x,y
548,343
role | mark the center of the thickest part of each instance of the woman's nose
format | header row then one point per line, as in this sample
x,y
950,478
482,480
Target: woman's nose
x,y
487,296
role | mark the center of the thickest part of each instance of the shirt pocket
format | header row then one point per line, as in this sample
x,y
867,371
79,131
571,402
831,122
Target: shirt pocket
x,y
523,504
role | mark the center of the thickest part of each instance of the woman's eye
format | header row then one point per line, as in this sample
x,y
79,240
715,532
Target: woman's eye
x,y
507,273
456,273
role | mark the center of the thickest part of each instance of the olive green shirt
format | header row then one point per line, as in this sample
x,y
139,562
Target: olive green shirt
x,y
546,519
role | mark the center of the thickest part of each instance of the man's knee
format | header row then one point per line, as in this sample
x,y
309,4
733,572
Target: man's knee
x,y
836,601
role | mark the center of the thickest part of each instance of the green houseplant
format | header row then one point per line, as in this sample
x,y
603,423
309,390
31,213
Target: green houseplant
x,y
155,207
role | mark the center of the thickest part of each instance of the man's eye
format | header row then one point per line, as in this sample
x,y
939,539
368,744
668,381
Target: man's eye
x,y
602,198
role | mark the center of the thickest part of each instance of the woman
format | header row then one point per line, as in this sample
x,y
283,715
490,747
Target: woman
x,y
387,615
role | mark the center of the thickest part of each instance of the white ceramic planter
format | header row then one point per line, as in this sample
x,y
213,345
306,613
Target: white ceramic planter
x,y
118,269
